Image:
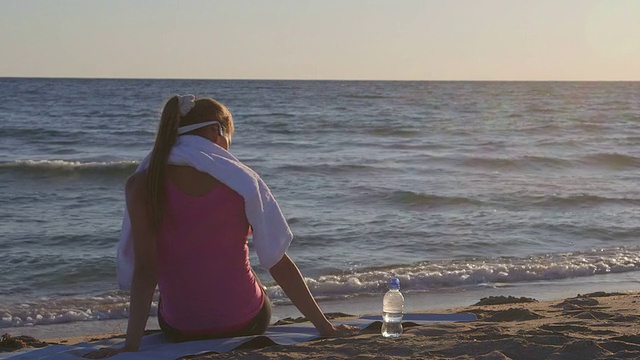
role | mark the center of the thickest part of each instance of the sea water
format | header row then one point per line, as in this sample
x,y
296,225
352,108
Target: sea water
x,y
467,187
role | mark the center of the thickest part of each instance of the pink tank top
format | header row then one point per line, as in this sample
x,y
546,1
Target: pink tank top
x,y
205,279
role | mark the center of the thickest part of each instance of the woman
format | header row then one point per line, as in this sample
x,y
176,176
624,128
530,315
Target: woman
x,y
189,233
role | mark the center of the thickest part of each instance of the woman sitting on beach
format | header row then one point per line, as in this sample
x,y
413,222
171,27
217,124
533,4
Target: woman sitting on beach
x,y
189,229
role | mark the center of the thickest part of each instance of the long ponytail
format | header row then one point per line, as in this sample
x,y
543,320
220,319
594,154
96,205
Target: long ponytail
x,y
156,176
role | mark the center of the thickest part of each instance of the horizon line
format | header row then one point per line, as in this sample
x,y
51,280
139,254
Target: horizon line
x,y
292,79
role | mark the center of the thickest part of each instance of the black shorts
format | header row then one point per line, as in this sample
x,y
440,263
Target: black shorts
x,y
257,326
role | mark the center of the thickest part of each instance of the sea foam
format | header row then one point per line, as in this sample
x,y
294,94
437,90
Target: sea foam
x,y
67,167
421,277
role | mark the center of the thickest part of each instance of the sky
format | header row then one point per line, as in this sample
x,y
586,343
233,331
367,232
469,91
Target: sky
x,y
322,39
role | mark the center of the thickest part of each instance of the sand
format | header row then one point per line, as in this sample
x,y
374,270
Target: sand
x,y
592,326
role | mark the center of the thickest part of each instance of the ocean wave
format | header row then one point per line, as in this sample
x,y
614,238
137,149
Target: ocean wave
x,y
578,200
47,269
66,167
421,277
612,160
543,110
268,115
367,97
76,135
541,128
403,133
328,168
432,276
40,133
525,162
45,311
411,198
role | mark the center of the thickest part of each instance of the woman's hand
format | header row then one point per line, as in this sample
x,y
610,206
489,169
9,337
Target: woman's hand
x,y
341,330
104,353
288,276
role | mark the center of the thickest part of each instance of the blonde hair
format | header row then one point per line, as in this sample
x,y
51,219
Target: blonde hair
x,y
170,120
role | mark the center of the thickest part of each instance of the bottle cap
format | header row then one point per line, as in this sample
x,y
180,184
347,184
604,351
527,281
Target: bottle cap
x,y
394,283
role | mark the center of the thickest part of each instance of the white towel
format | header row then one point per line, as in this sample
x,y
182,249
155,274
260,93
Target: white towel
x,y
271,233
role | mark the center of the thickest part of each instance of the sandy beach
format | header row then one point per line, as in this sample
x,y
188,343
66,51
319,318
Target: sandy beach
x,y
598,325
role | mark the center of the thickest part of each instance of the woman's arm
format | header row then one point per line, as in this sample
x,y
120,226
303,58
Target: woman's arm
x,y
145,273
145,270
288,276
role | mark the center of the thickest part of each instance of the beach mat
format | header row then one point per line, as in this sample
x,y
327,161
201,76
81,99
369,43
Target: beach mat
x,y
156,346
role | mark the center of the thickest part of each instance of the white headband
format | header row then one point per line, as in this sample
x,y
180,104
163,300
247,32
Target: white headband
x,y
187,128
186,103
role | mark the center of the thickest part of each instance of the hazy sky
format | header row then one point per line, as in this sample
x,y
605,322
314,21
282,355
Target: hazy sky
x,y
324,39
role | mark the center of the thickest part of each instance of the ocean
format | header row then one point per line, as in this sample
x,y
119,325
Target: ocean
x,y
454,187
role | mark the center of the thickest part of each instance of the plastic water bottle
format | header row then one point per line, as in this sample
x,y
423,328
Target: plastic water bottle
x,y
392,308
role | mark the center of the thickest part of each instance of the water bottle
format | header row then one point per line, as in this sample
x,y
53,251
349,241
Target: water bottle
x,y
392,307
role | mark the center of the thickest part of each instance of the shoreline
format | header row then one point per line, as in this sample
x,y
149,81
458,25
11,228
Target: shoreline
x,y
594,325
435,301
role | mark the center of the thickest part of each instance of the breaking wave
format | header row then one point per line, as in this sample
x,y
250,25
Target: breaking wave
x,y
66,167
421,277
